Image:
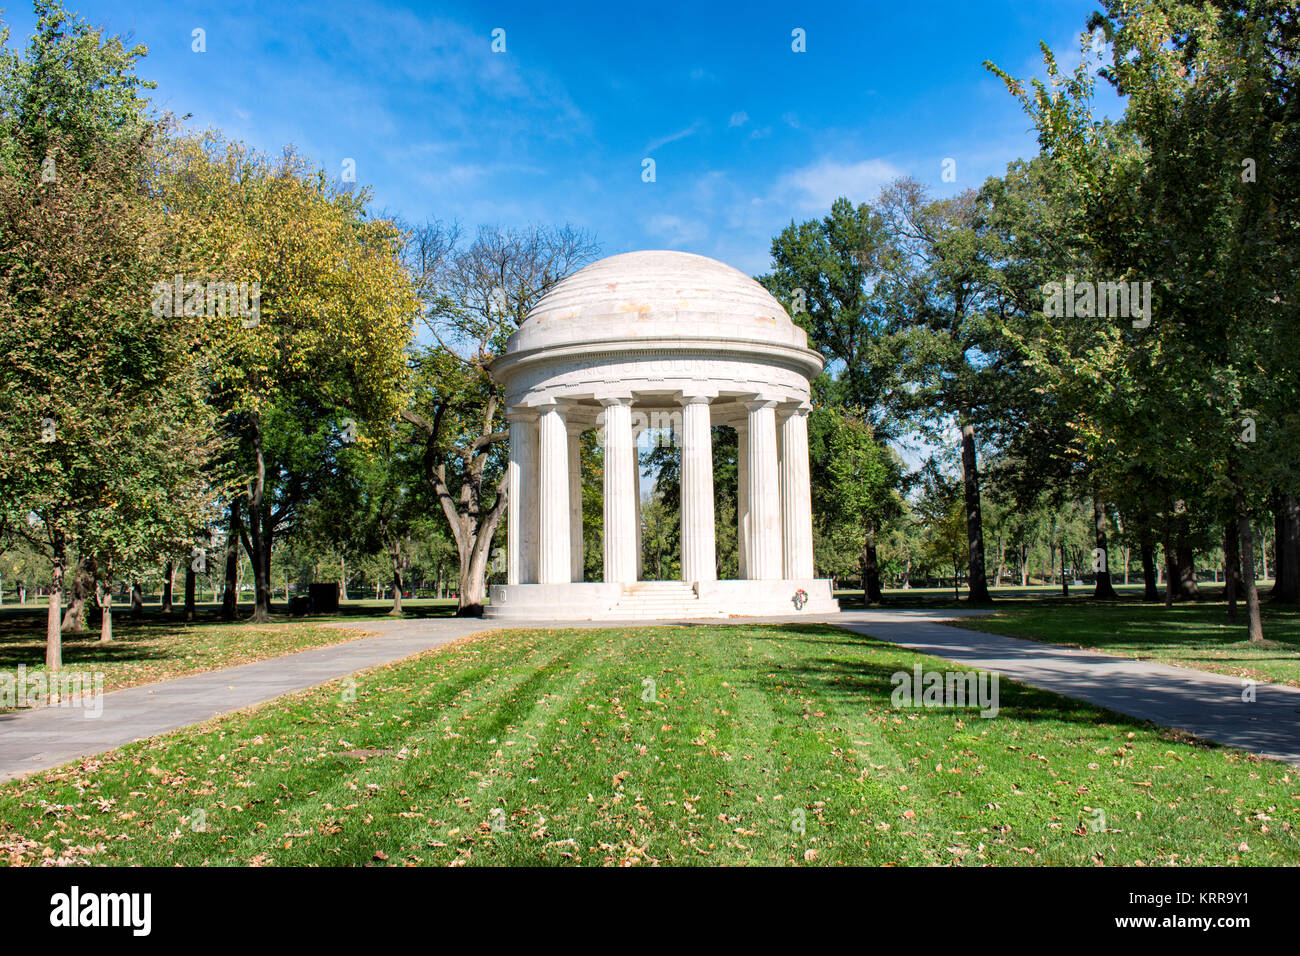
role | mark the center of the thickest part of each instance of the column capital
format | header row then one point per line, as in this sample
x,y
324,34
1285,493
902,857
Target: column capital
x,y
521,413
757,401
614,398
794,407
701,396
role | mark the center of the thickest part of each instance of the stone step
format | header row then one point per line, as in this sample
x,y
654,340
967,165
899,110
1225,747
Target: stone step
x,y
658,600
665,606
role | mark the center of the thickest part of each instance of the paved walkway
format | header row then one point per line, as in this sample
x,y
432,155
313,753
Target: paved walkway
x,y
1207,705
48,736
1199,702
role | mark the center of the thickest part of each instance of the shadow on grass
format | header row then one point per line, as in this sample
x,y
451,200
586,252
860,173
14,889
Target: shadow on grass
x,y
144,637
1184,627
853,681
27,618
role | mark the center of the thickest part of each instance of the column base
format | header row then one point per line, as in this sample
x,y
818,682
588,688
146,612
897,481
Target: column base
x,y
659,600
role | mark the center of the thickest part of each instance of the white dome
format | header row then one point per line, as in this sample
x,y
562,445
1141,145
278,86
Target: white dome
x,y
656,295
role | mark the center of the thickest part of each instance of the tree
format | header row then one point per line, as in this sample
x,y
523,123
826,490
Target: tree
x,y
473,297
77,256
862,481
313,357
1180,198
828,273
947,302
371,505
940,506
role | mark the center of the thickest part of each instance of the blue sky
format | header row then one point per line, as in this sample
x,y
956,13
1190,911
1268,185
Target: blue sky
x,y
745,133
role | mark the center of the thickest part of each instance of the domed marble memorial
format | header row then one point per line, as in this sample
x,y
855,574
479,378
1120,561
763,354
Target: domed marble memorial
x,y
644,340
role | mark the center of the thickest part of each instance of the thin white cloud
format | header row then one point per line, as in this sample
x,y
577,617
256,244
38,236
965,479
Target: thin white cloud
x,y
674,137
674,230
739,118
816,186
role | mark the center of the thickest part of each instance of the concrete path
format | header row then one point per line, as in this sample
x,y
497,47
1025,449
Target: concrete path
x,y
32,740
1210,706
1207,705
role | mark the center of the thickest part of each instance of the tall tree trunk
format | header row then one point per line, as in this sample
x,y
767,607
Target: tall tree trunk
x,y
1255,625
979,588
83,584
169,582
257,542
343,580
871,593
262,580
1173,582
53,617
1232,577
1150,578
1065,581
472,578
1187,583
1286,560
1184,556
395,552
106,615
257,545
191,583
230,596
1102,590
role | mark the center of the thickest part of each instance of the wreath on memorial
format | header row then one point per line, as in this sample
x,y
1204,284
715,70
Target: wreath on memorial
x,y
800,599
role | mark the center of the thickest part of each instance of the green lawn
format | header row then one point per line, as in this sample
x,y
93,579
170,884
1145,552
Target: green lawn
x,y
158,646
1193,635
529,747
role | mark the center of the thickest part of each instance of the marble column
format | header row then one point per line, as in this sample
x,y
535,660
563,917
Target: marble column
x,y
553,496
620,496
576,544
764,559
699,551
636,497
521,491
796,495
742,501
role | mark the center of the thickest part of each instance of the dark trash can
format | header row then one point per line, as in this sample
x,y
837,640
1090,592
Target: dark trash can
x,y
324,598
